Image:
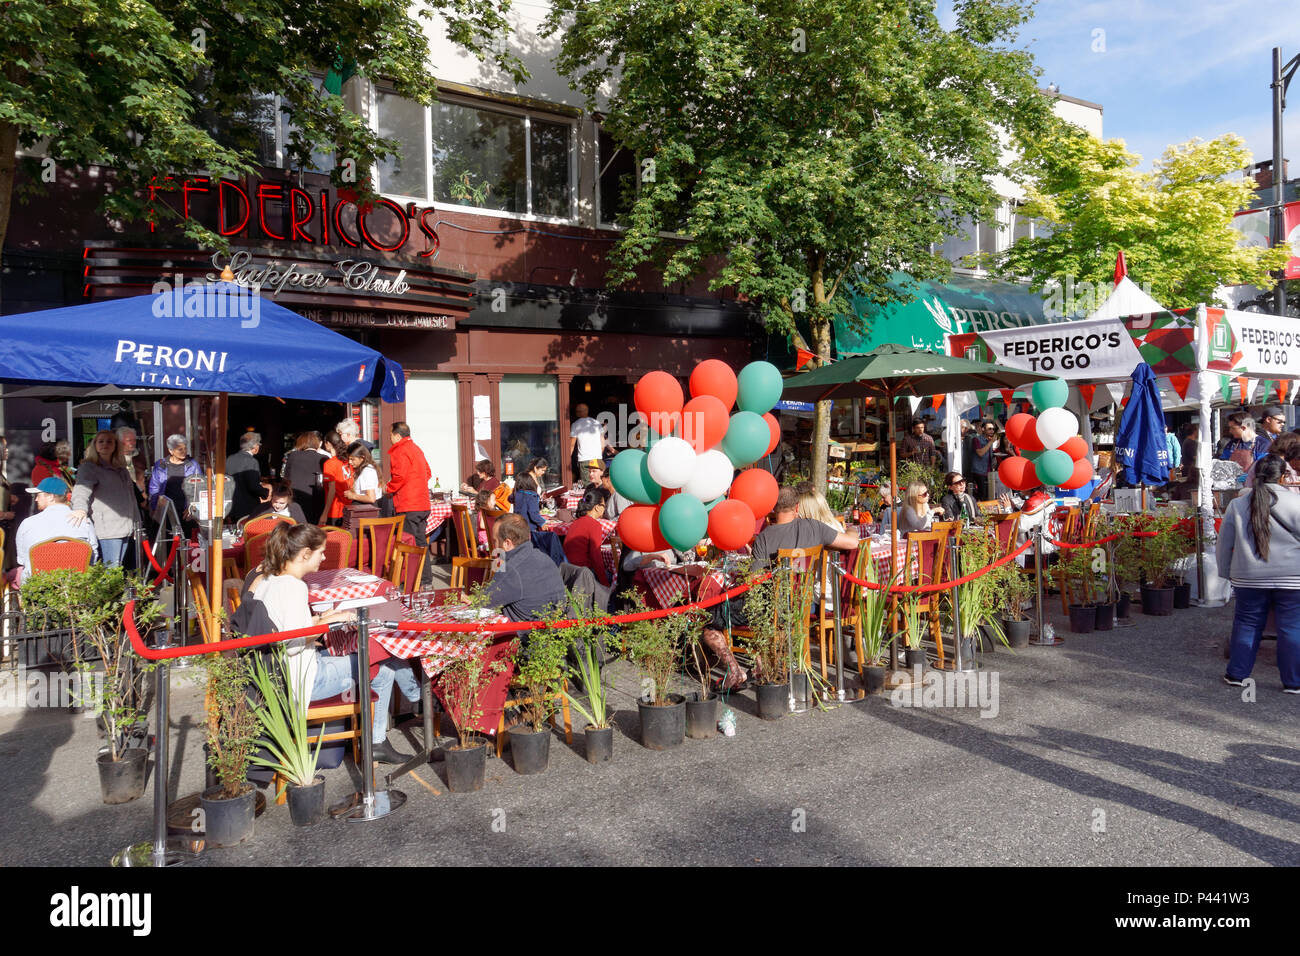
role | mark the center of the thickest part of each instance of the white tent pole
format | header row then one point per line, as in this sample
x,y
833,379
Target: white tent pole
x,y
1205,438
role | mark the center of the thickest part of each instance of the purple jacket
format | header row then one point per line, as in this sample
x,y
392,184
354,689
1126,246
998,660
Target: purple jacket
x,y
158,484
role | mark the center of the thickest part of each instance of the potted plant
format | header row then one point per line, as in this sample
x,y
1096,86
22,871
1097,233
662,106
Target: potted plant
x,y
1182,546
872,615
286,740
461,686
655,646
540,669
1156,555
768,611
979,599
587,639
1125,565
912,607
702,711
1077,567
232,732
1014,590
108,672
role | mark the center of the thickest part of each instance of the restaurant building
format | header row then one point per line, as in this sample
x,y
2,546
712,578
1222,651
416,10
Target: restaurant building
x,y
481,269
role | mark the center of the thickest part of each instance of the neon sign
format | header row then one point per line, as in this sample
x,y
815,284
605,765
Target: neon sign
x,y
315,220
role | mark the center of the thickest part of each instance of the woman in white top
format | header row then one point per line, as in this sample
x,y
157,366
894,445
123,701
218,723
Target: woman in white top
x,y
365,487
292,552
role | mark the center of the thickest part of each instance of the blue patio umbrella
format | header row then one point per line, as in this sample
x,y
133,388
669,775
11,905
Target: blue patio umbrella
x,y
213,338
1140,445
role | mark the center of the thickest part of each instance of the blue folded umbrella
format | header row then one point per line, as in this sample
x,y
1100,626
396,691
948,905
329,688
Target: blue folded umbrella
x,y
1140,445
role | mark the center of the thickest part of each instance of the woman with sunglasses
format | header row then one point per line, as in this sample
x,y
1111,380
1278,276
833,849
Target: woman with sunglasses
x,y
916,512
957,504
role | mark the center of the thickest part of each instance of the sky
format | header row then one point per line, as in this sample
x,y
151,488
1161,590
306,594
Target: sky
x,y
1168,70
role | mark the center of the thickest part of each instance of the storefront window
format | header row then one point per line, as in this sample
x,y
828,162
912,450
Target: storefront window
x,y
550,162
530,422
479,158
617,180
406,173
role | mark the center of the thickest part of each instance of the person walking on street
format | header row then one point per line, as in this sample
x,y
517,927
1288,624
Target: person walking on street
x,y
1259,552
408,484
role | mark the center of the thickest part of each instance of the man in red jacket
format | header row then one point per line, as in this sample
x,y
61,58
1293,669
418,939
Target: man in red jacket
x,y
409,486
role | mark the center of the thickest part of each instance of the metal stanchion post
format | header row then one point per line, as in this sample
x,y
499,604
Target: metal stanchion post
x,y
958,665
1043,637
162,850
369,804
837,575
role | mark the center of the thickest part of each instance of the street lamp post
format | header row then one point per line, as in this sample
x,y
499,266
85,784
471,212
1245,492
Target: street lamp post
x,y
1281,80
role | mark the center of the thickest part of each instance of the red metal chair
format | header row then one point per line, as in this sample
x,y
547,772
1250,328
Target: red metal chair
x,y
60,554
338,548
255,549
264,523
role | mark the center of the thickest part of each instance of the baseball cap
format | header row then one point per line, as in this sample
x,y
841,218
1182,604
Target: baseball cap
x,y
1274,411
594,463
51,486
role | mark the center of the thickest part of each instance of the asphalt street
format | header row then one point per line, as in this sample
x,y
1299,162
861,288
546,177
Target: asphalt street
x,y
1119,748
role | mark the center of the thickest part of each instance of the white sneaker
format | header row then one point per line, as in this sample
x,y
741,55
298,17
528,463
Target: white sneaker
x,y
1291,690
1241,683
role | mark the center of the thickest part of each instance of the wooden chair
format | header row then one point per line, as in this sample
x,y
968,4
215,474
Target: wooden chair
x,y
927,551
524,702
990,507
378,539
255,549
802,562
60,554
952,529
264,523
232,588
408,567
853,604
1006,528
488,517
466,572
338,548
230,568
199,595
466,534
1072,533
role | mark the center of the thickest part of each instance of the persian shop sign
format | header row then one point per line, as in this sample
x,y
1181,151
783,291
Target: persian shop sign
x,y
317,220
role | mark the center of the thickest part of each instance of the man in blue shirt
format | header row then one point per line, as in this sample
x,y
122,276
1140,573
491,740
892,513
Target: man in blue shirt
x,y
1242,430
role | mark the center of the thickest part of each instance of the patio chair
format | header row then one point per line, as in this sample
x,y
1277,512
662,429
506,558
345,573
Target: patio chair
x,y
927,553
408,567
338,548
377,540
466,534
264,523
803,562
255,549
60,554
466,572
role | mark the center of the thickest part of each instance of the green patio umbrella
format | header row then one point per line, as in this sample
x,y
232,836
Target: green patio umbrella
x,y
894,371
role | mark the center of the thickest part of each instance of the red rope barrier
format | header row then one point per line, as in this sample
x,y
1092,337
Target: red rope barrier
x,y
168,653
163,574
947,585
1109,537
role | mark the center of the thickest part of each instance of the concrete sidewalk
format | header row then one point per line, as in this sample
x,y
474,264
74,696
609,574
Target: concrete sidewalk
x,y
1115,748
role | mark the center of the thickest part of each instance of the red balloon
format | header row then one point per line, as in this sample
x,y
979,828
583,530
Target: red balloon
x,y
715,377
658,397
704,422
756,488
1076,448
638,527
1022,431
775,428
731,525
1081,476
1018,474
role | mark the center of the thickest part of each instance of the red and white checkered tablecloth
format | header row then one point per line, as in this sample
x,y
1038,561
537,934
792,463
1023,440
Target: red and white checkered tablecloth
x,y
668,586
440,511
607,555
608,525
435,651
345,584
570,499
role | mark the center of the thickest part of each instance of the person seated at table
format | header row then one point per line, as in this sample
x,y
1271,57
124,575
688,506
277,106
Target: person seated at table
x,y
292,552
282,503
585,536
483,479
916,513
483,501
812,504
957,504
615,504
526,502
528,581
786,531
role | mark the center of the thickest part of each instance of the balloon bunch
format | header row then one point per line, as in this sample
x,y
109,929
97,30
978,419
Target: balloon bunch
x,y
683,485
1051,449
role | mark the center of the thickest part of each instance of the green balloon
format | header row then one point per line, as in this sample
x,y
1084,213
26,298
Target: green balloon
x,y
746,439
758,388
683,521
1050,394
629,472
1053,467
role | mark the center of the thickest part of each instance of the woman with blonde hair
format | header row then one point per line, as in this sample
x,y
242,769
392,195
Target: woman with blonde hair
x,y
105,492
916,512
813,505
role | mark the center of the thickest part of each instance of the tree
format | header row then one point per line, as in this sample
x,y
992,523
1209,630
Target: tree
x,y
795,145
137,84
1174,224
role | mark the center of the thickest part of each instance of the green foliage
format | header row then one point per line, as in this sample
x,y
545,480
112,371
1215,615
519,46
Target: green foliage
x,y
132,84
91,603
1173,223
913,607
463,681
1157,555
586,636
283,716
929,475
656,646
540,669
979,601
873,614
841,499
777,610
1014,588
231,723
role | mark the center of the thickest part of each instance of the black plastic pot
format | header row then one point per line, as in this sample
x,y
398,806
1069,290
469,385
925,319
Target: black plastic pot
x,y
466,767
916,657
121,781
531,749
1183,595
307,804
1157,601
988,640
1083,618
874,676
968,647
1105,617
702,718
1121,608
1017,632
227,821
773,700
600,744
663,725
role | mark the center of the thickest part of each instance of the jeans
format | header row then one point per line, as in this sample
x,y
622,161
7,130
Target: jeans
x,y
1248,619
335,675
112,551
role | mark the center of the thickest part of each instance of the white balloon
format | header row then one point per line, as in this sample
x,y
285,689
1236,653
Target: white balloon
x,y
671,462
712,478
1056,426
